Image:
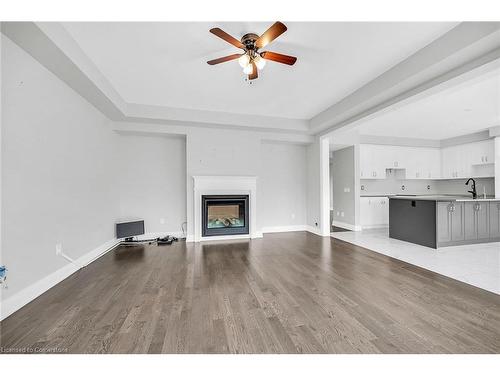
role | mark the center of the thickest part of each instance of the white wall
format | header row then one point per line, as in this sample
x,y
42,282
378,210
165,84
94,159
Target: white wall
x,y
282,185
152,177
57,171
313,186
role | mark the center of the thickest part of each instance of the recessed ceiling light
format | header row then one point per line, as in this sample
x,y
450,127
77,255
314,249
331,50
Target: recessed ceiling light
x,y
467,110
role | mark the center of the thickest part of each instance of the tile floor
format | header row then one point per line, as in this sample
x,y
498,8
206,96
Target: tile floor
x,y
478,265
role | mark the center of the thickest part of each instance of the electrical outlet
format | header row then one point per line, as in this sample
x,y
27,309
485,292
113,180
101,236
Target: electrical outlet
x,y
58,248
162,220
293,216
338,213
342,214
347,190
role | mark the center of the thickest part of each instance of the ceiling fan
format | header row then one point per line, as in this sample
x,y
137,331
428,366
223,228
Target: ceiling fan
x,y
251,60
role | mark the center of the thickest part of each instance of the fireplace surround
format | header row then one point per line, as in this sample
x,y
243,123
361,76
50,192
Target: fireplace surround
x,y
222,186
224,215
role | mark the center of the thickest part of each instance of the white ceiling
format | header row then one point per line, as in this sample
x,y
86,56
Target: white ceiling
x,y
466,108
164,64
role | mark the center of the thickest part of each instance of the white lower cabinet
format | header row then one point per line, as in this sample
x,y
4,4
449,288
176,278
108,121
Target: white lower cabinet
x,y
374,212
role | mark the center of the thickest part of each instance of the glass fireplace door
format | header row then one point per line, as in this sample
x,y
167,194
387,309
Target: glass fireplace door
x,y
224,214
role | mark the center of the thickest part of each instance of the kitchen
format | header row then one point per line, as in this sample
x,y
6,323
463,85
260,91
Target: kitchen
x,y
420,182
462,173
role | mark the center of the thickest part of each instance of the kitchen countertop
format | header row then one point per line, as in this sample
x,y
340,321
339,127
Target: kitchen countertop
x,y
374,195
444,198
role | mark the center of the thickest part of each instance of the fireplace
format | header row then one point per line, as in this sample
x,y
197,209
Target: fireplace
x,y
224,215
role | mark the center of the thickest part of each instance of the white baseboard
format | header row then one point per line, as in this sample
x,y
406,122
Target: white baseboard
x,y
313,230
378,226
341,224
284,228
28,294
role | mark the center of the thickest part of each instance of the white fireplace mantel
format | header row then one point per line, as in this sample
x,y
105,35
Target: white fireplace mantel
x,y
225,185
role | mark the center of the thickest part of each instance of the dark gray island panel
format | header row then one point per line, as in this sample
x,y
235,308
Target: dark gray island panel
x,y
413,221
437,221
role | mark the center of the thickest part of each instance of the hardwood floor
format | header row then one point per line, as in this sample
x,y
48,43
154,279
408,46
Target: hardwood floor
x,y
285,293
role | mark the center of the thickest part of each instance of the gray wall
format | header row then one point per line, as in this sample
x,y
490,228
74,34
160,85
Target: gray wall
x,y
152,175
343,171
313,185
58,181
282,185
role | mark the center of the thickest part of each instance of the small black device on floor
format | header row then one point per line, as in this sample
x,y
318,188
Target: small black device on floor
x,y
167,240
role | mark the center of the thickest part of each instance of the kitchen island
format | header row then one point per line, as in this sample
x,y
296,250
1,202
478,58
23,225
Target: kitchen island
x,y
444,220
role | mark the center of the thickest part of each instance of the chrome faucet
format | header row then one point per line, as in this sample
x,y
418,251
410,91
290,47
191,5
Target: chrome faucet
x,y
473,191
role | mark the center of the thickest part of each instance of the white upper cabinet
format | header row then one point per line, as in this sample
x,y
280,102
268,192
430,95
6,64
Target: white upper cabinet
x,y
371,161
481,152
423,163
418,162
463,161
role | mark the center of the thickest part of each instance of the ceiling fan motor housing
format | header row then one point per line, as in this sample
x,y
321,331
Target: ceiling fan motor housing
x,y
249,40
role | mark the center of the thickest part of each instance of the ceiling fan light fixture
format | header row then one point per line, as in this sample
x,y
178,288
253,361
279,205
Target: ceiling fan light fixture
x,y
252,59
244,60
259,62
248,69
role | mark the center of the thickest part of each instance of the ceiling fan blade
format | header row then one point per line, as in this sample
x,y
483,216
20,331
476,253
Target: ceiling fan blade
x,y
272,33
228,38
278,57
224,59
254,74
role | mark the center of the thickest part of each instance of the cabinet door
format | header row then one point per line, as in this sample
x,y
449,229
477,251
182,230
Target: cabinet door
x,y
443,222
365,211
495,220
449,162
481,152
489,151
371,165
470,221
384,211
457,222
364,161
434,164
412,160
482,220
